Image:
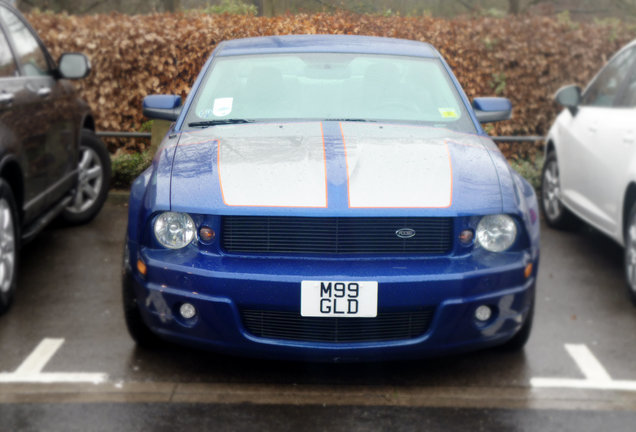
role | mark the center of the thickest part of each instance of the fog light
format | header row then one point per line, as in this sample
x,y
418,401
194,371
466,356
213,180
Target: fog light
x,y
206,234
187,311
483,313
466,237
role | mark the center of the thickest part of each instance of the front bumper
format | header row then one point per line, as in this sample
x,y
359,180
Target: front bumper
x,y
222,287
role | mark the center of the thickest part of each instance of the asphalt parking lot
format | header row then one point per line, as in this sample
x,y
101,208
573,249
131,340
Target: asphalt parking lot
x,y
68,363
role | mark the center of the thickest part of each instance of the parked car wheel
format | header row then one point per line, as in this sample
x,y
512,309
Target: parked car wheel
x,y
94,180
556,215
8,246
630,255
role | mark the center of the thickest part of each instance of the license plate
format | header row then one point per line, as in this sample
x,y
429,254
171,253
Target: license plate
x,y
343,299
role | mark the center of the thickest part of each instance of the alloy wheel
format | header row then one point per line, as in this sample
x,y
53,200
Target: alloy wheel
x,y
7,246
630,255
551,191
91,173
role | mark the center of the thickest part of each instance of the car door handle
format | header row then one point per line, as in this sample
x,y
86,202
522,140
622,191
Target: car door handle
x,y
629,138
6,98
43,92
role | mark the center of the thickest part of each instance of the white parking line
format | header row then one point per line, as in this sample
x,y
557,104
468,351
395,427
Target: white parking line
x,y
31,368
589,365
596,377
40,356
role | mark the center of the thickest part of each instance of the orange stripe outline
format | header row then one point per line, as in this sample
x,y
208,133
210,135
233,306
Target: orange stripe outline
x,y
450,165
344,143
324,159
218,168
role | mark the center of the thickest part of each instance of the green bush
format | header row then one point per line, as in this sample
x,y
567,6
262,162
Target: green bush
x,y
530,170
126,167
233,7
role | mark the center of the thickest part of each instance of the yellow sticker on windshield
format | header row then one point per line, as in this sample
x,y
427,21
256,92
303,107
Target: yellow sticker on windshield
x,y
448,112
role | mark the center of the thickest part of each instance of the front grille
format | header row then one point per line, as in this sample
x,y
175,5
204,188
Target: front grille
x,y
292,326
328,235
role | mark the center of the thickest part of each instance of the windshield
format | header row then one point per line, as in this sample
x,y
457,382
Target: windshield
x,y
329,86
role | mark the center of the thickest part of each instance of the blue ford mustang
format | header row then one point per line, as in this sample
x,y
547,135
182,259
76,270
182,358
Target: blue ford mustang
x,y
330,198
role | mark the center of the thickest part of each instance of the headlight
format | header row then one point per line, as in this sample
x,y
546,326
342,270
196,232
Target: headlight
x,y
496,233
174,230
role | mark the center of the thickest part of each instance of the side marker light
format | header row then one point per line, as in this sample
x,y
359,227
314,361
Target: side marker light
x,y
528,271
141,267
206,234
466,237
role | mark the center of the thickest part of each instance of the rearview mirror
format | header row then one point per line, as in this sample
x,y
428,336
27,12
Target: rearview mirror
x,y
569,97
73,66
162,107
492,109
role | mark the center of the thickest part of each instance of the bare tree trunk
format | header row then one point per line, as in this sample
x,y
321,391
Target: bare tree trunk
x,y
265,7
514,7
118,5
90,6
63,6
470,6
171,5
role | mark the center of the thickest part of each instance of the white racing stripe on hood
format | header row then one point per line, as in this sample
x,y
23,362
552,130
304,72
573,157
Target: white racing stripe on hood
x,y
282,170
397,171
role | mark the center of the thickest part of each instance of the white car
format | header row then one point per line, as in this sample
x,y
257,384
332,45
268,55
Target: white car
x,y
590,164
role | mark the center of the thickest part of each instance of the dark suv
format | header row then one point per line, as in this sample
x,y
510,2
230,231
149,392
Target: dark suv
x,y
51,162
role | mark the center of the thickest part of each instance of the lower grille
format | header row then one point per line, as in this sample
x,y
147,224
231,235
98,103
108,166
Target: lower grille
x,y
292,326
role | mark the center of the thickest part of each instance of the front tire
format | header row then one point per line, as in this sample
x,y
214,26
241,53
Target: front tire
x,y
9,240
94,180
630,255
137,328
554,212
520,339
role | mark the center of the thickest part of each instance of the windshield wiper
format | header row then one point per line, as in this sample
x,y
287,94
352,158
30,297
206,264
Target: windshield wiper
x,y
208,123
351,120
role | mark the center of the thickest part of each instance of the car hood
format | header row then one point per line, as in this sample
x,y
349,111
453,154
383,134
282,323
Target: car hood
x,y
336,169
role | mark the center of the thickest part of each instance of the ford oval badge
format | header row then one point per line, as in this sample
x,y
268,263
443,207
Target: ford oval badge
x,y
405,233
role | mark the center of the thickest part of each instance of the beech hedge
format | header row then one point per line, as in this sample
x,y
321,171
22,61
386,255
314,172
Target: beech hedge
x,y
523,58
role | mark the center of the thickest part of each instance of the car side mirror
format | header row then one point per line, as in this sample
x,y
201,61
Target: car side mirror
x,y
162,107
492,109
73,66
569,97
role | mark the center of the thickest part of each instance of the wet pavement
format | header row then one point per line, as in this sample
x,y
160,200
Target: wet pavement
x,y
68,363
